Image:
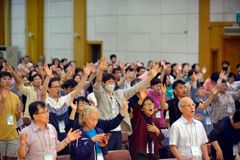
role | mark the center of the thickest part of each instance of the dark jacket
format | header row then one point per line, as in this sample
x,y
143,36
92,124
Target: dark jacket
x,y
84,148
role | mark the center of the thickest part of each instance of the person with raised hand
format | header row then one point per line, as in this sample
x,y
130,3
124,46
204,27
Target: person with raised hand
x,y
110,100
39,140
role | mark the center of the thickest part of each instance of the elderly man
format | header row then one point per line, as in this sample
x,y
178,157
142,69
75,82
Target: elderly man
x,y
187,135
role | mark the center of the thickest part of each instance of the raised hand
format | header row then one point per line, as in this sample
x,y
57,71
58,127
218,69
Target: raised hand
x,y
204,70
143,93
153,128
8,68
163,89
47,70
103,64
87,69
222,75
215,90
154,71
73,105
124,109
23,139
73,135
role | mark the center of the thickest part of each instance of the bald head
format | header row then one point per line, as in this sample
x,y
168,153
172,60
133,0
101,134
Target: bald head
x,y
187,107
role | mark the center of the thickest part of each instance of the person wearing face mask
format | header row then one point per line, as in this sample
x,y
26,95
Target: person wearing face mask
x,y
110,101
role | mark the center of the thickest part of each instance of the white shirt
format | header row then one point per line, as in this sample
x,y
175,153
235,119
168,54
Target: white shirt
x,y
59,103
184,134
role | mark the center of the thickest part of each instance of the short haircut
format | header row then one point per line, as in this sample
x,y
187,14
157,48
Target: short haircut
x,y
85,113
194,65
129,68
238,65
185,64
177,82
146,99
71,83
78,69
236,116
53,80
66,66
139,68
116,69
113,56
34,107
173,65
231,74
135,81
215,76
81,99
5,74
225,62
191,72
107,76
31,78
155,81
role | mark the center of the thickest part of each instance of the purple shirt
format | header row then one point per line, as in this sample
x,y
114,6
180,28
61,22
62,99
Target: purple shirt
x,y
40,141
157,97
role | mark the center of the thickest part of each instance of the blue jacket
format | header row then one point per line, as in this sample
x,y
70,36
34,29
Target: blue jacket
x,y
84,148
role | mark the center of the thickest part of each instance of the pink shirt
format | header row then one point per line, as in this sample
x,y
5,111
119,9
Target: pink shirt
x,y
157,97
40,141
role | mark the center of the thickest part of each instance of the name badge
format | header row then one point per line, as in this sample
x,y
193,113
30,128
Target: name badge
x,y
48,156
158,114
208,121
235,149
195,151
61,125
229,109
100,157
10,120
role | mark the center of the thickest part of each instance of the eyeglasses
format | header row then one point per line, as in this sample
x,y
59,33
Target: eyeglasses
x,y
45,112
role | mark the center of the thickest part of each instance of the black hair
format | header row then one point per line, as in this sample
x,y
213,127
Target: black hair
x,y
225,62
30,75
173,65
31,78
155,81
107,76
78,69
191,72
177,82
215,76
113,56
80,99
71,83
238,65
194,66
52,80
165,79
66,66
129,68
135,81
34,107
64,59
75,75
236,116
185,64
5,74
231,74
139,68
116,69
55,59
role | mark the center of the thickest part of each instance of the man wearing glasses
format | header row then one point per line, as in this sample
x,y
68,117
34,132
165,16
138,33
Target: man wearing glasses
x,y
39,140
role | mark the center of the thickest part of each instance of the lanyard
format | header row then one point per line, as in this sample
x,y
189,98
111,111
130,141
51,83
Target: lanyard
x,y
42,146
191,139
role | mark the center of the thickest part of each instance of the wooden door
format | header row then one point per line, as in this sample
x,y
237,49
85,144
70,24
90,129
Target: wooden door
x,y
231,51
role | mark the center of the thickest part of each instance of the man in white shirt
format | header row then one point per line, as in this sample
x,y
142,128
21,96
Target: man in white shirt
x,y
187,135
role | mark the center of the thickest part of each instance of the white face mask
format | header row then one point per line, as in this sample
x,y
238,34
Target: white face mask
x,y
110,87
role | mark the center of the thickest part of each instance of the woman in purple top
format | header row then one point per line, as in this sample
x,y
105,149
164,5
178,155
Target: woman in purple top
x,y
145,141
158,94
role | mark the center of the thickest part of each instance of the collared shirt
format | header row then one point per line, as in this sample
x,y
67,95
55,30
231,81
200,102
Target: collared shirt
x,y
59,103
223,105
32,95
184,134
40,141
